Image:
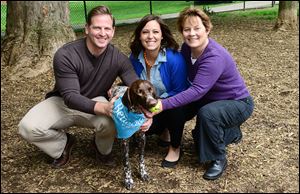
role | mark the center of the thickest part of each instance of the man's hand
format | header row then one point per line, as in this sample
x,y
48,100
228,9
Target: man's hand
x,y
114,99
109,93
105,107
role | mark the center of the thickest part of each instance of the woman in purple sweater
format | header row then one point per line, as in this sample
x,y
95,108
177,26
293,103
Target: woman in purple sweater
x,y
217,94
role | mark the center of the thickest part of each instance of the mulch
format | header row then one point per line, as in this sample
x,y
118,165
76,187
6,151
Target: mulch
x,y
267,159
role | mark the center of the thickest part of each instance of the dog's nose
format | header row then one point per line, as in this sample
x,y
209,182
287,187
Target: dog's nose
x,y
152,102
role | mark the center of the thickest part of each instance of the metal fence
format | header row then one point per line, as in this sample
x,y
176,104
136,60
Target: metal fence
x,y
133,12
134,9
137,9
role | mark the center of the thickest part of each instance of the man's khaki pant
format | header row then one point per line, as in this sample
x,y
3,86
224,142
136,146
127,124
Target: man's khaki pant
x,y
44,126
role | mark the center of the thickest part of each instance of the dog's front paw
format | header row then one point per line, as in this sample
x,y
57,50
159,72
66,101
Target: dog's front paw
x,y
129,183
143,173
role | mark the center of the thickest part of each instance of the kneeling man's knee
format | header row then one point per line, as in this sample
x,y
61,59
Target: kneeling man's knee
x,y
26,130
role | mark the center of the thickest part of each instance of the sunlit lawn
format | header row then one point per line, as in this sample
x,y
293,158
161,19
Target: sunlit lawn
x,y
123,10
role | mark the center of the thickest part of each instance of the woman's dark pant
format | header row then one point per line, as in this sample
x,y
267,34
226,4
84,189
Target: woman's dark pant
x,y
173,120
218,124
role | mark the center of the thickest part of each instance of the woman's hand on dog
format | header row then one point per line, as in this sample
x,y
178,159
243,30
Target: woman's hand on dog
x,y
149,120
159,109
147,124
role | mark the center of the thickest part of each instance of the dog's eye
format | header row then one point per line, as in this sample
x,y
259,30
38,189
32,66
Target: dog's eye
x,y
139,91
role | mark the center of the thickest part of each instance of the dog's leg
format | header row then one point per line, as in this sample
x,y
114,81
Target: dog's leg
x,y
126,164
141,145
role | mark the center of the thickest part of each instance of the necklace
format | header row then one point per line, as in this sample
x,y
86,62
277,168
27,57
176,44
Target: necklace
x,y
146,60
148,66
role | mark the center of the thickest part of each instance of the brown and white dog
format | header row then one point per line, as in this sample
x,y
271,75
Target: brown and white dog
x,y
129,113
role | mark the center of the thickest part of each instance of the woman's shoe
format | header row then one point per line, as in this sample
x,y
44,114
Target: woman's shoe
x,y
167,164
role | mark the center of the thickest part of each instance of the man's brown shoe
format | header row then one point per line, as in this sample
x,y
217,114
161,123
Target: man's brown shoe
x,y
65,157
107,160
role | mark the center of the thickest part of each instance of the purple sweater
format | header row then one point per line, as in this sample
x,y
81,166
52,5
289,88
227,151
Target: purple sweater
x,y
214,76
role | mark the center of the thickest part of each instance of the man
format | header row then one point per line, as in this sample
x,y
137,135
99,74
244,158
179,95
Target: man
x,y
84,71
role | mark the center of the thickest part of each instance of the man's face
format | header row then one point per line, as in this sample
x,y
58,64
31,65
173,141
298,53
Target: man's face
x,y
100,32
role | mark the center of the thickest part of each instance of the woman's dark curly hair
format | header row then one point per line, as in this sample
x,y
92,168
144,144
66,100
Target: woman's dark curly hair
x,y
168,40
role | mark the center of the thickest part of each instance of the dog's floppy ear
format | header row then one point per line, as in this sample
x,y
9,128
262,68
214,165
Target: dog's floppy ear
x,y
126,100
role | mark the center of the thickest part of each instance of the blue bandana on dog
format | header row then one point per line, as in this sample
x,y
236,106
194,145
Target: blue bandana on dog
x,y
126,122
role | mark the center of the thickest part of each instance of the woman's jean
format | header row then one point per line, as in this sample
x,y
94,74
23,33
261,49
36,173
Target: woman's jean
x,y
218,124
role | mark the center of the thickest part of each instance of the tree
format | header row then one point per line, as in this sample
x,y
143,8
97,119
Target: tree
x,y
34,31
287,16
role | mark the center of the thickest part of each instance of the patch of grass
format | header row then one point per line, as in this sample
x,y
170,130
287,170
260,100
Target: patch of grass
x,y
264,14
123,10
3,18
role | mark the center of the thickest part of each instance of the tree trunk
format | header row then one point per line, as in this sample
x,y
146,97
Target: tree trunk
x,y
34,31
287,16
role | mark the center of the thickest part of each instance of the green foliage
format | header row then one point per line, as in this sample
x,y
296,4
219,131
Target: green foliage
x,y
207,10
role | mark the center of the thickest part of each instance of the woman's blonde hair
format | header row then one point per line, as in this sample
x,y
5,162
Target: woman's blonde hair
x,y
191,11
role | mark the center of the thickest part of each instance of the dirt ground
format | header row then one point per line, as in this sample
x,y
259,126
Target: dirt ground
x,y
267,159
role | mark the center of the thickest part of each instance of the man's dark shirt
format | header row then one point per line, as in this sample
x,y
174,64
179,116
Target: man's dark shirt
x,y
80,76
